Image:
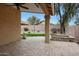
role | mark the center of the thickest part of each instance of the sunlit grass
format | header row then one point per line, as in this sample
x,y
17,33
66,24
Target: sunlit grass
x,y
34,34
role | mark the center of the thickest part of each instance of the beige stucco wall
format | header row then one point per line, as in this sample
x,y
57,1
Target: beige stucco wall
x,y
25,26
9,24
73,31
40,27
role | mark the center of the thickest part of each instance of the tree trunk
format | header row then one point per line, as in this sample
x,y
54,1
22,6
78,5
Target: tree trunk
x,y
63,28
62,25
34,27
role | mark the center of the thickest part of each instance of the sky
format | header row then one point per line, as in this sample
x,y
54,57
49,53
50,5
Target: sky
x,y
53,19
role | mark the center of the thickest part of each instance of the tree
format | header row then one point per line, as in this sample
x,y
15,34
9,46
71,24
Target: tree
x,y
77,19
34,21
66,12
58,12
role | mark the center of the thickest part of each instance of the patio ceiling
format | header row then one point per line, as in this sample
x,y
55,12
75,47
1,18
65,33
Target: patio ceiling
x,y
45,8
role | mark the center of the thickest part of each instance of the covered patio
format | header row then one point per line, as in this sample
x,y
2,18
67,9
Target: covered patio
x,y
10,38
10,19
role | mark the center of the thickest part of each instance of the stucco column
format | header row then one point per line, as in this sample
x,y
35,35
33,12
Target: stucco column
x,y
47,21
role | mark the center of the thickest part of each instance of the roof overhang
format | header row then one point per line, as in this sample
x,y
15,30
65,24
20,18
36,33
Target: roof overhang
x,y
45,8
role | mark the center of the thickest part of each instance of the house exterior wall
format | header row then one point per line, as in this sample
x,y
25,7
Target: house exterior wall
x,y
25,26
9,24
38,28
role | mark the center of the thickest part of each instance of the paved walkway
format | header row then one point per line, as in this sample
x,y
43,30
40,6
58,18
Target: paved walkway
x,y
35,46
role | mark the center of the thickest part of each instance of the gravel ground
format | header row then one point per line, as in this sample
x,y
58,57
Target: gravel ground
x,y
35,46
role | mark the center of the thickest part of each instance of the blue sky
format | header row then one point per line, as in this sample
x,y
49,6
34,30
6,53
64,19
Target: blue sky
x,y
53,19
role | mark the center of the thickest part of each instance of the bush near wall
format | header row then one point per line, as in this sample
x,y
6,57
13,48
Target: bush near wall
x,y
35,34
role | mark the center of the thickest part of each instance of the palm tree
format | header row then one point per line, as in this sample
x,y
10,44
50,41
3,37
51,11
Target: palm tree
x,y
34,21
66,12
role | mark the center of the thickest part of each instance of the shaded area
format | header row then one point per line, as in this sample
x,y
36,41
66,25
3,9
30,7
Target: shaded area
x,y
35,46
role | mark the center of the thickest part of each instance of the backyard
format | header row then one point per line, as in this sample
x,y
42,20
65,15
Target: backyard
x,y
53,32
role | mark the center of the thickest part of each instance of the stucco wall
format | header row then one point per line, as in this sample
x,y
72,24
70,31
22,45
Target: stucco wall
x,y
9,24
25,26
77,33
73,31
40,27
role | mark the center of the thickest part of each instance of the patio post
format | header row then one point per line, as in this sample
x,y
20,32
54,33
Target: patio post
x,y
47,21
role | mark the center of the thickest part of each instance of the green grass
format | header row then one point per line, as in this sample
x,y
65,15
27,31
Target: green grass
x,y
34,34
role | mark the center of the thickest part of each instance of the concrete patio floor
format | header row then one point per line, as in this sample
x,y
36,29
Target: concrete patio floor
x,y
35,46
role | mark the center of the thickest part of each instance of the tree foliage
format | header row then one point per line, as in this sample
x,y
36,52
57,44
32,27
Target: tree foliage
x,y
66,11
77,19
33,20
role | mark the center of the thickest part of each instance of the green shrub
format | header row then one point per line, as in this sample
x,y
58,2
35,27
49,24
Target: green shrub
x,y
28,32
34,34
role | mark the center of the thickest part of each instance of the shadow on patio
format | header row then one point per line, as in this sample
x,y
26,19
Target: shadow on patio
x,y
35,46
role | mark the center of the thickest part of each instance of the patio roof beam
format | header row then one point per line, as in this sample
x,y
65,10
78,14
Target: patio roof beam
x,y
46,8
